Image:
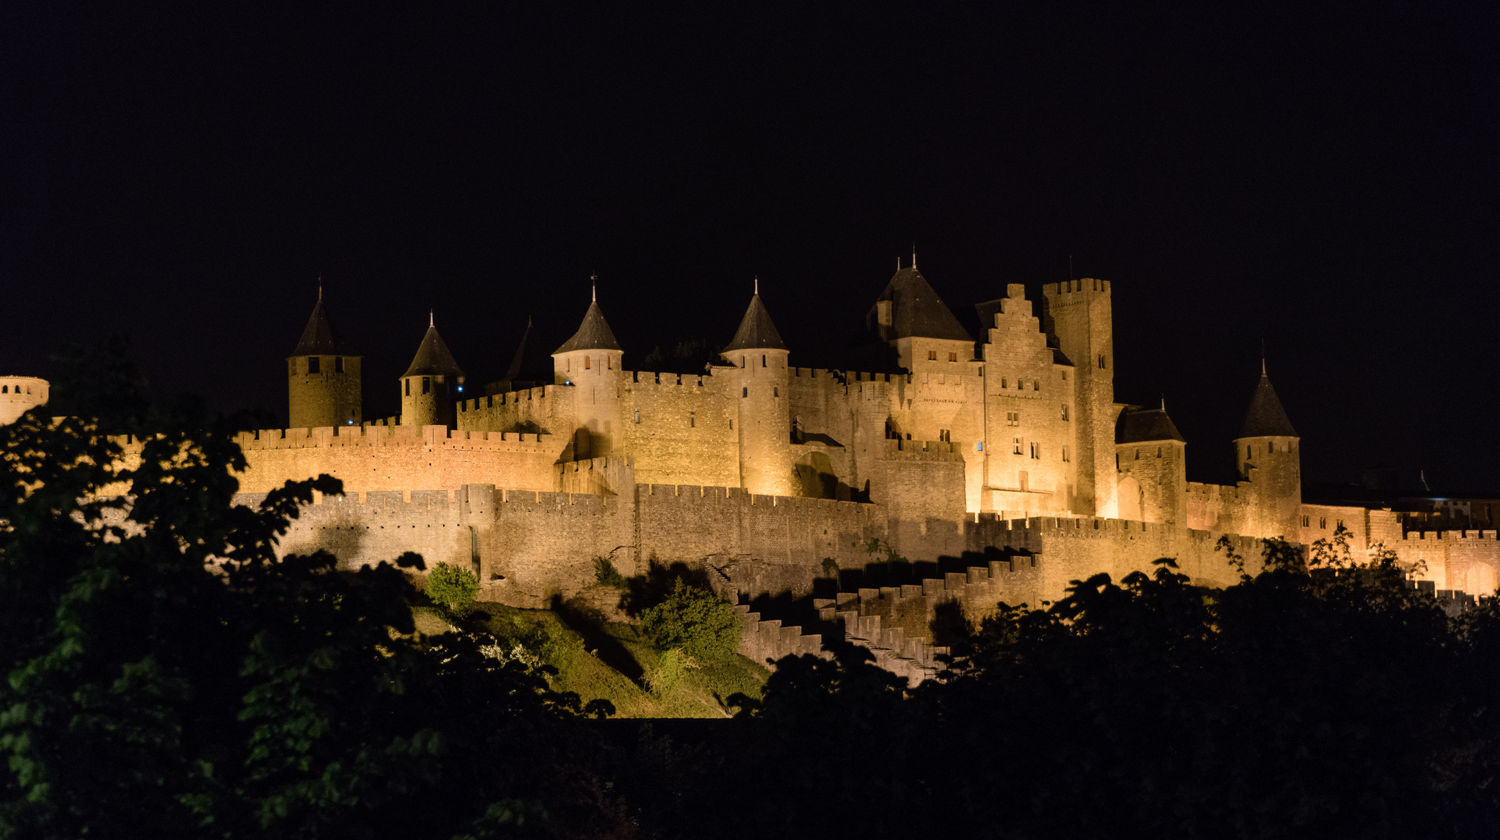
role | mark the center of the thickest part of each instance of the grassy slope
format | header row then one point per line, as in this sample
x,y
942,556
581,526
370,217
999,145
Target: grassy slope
x,y
616,668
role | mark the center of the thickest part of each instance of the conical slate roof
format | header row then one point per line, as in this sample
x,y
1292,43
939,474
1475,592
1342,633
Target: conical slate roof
x,y
433,357
593,334
1138,425
317,337
756,330
1265,416
518,361
917,311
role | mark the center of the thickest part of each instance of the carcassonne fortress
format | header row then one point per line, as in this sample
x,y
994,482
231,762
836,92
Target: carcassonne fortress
x,y
1009,450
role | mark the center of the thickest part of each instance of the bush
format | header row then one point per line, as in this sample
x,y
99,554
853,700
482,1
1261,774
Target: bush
x,y
668,671
694,619
452,587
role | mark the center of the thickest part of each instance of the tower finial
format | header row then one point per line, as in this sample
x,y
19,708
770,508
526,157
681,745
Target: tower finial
x,y
1262,355
757,285
320,287
1163,402
593,287
431,322
914,255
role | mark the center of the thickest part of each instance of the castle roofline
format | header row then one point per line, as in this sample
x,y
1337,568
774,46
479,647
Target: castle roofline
x,y
593,333
1265,417
1139,425
433,357
756,329
318,338
917,311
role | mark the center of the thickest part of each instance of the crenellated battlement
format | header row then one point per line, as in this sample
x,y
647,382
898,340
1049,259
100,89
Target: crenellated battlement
x,y
387,436
652,377
1082,284
920,450
540,392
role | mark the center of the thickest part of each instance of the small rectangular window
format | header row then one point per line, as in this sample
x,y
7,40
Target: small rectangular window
x,y
952,357
1064,412
407,383
763,360
1065,454
1036,384
1323,522
931,355
314,364
1016,446
1004,383
338,364
426,385
1036,450
587,361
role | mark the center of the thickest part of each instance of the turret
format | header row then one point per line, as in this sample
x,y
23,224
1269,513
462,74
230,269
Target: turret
x,y
323,376
1152,459
1265,451
1078,314
591,362
430,386
759,381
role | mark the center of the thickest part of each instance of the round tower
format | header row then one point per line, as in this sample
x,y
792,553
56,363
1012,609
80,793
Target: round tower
x,y
323,376
759,381
430,386
1266,453
590,362
19,394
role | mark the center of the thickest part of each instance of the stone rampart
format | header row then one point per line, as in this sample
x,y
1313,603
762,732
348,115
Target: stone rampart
x,y
379,458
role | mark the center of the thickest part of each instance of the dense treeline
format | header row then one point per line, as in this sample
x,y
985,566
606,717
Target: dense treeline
x,y
166,674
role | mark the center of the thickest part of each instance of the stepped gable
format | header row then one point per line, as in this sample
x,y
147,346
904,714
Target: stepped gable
x,y
1265,417
756,330
318,338
433,357
1138,425
917,311
593,334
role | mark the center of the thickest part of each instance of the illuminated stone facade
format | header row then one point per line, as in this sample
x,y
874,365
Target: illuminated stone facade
x,y
764,470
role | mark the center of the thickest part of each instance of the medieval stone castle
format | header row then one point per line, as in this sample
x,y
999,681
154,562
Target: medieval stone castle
x,y
1009,450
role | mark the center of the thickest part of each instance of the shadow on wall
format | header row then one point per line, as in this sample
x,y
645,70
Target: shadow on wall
x,y
345,544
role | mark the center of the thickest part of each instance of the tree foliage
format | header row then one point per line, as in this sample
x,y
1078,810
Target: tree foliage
x,y
695,620
168,674
452,587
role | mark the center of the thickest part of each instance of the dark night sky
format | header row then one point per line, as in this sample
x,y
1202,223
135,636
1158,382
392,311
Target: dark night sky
x,y
1319,175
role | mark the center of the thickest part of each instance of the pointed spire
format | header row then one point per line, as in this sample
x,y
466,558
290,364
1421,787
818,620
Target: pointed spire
x,y
1163,402
593,288
594,332
756,330
1262,356
433,356
1265,417
917,311
318,338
